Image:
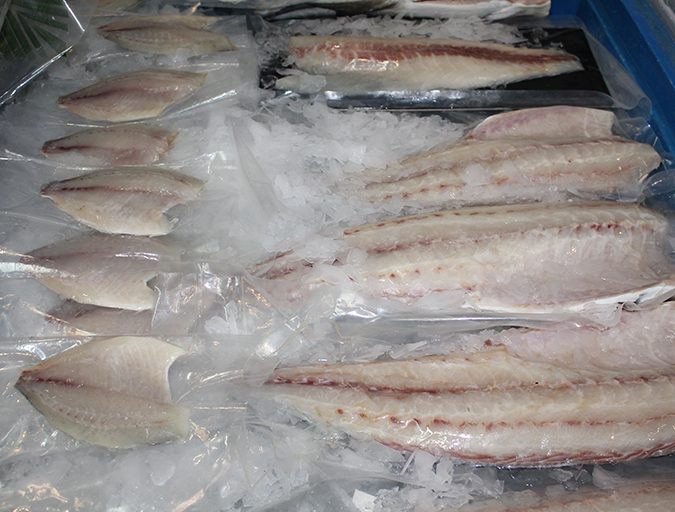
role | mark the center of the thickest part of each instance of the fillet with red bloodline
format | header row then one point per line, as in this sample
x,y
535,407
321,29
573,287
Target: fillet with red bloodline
x,y
113,145
427,63
125,200
112,392
510,402
550,259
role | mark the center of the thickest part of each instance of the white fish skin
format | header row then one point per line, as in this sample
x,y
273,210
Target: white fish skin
x,y
112,392
427,63
527,258
630,496
80,320
114,145
128,201
132,96
166,34
509,171
490,9
103,270
558,122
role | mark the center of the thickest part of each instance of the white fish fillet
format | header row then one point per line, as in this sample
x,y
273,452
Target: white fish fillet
x,y
511,404
132,96
114,145
532,258
629,496
490,9
103,270
112,392
559,122
166,34
427,63
82,320
508,171
126,200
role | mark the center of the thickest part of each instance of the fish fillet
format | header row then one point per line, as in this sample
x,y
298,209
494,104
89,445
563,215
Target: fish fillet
x,y
509,171
103,270
490,9
166,34
112,392
511,403
115,145
629,496
559,122
529,258
101,321
427,63
126,200
132,96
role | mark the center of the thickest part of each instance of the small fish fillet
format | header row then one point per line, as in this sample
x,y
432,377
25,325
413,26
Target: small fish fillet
x,y
629,496
559,122
477,172
103,270
114,145
101,321
427,63
527,258
126,200
112,392
166,34
490,9
132,96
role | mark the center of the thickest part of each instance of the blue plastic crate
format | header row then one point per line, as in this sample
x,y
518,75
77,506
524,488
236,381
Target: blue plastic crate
x,y
641,38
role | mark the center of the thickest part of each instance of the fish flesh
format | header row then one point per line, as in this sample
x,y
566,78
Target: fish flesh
x,y
114,145
112,392
490,9
166,34
559,123
104,270
424,63
526,258
126,200
630,496
133,96
86,320
512,403
477,172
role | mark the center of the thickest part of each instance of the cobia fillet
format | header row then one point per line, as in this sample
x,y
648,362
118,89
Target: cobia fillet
x,y
531,258
526,397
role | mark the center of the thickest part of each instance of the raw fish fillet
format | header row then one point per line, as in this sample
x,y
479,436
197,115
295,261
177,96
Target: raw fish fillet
x,y
132,96
103,270
528,258
166,34
511,403
559,122
126,200
629,496
115,145
491,9
427,63
101,321
112,392
476,172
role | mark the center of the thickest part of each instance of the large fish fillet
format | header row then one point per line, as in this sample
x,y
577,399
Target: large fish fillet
x,y
132,96
112,392
427,63
125,200
114,145
79,319
166,34
103,270
628,496
527,258
511,402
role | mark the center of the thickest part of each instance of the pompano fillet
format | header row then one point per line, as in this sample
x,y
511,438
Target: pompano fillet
x,y
166,34
491,9
128,201
427,63
114,145
510,404
629,496
103,270
112,392
133,96
528,258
